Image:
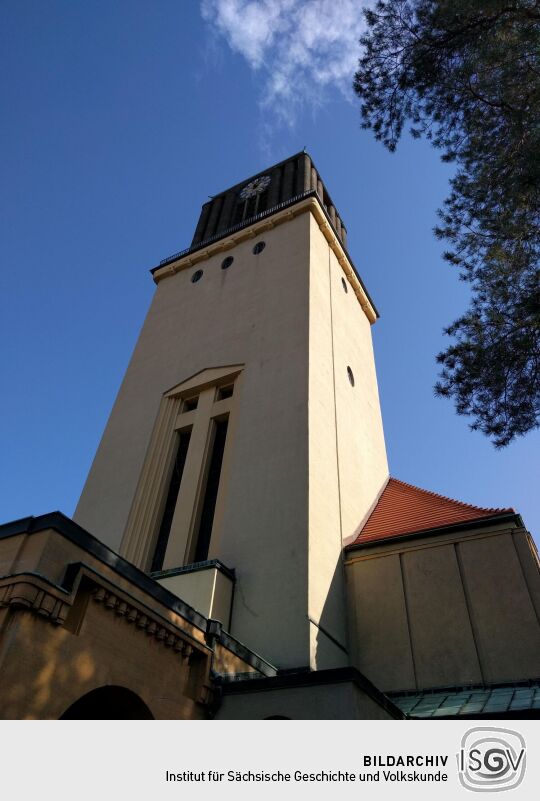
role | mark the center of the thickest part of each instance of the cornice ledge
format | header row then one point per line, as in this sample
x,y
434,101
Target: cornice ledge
x,y
250,232
148,624
33,594
343,259
310,204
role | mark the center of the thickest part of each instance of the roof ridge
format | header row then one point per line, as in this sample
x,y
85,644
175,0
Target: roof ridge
x,y
447,498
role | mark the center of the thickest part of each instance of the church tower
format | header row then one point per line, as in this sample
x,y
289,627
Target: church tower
x,y
246,447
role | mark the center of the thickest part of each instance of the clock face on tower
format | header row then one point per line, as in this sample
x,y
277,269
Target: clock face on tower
x,y
255,187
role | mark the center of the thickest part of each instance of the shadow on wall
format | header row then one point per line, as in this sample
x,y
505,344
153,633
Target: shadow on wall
x,y
332,649
51,672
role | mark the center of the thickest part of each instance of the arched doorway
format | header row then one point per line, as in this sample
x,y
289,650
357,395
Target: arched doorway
x,y
108,703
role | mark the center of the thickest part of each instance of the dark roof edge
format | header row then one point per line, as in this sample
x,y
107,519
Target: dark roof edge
x,y
451,688
243,652
195,567
63,525
72,531
480,522
311,678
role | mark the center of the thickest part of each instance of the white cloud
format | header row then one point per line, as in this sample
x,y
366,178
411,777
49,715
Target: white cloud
x,y
303,49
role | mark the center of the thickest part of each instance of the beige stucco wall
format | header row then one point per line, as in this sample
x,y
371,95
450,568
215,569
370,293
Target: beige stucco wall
x,y
60,644
447,610
347,456
507,629
297,474
208,591
255,314
44,669
61,640
379,636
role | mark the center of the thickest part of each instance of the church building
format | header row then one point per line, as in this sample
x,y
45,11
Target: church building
x,y
239,550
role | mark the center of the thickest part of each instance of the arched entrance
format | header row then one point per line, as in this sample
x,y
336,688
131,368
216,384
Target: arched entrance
x,y
108,703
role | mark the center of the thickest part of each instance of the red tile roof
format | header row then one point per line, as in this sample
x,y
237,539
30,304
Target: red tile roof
x,y
405,509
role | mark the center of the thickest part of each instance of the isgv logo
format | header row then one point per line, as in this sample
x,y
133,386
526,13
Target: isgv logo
x,y
491,759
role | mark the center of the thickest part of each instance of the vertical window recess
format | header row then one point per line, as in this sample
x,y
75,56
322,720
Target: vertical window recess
x,y
210,495
170,503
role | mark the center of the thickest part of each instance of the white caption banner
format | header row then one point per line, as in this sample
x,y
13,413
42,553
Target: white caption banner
x,y
134,760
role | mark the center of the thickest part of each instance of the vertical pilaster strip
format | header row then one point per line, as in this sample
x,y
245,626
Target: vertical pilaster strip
x,y
303,182
332,213
287,190
201,225
408,617
225,217
214,216
139,534
513,535
330,299
274,188
470,612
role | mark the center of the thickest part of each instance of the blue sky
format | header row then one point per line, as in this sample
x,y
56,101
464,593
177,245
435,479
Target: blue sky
x,y
118,120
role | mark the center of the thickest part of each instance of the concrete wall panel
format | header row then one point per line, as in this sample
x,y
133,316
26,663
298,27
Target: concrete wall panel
x,y
379,627
507,631
441,635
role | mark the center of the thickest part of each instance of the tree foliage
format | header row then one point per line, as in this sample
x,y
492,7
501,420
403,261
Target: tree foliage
x,y
467,76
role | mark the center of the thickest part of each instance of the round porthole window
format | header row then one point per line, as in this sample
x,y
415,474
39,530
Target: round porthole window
x,y
259,247
344,284
197,275
226,263
351,376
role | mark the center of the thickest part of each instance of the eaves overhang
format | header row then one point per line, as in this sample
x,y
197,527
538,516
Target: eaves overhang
x,y
482,522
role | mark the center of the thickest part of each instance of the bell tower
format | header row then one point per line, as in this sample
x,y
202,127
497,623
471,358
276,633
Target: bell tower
x,y
246,446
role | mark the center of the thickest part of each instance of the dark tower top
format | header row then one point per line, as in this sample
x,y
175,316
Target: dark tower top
x,y
262,194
